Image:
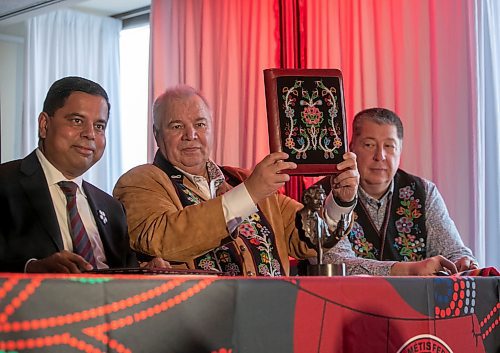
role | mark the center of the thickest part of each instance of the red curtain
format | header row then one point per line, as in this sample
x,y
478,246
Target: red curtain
x,y
293,56
414,57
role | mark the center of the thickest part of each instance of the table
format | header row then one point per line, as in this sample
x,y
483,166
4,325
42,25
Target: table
x,y
93,313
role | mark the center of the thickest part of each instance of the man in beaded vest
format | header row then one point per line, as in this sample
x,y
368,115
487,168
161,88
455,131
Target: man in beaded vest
x,y
401,224
195,214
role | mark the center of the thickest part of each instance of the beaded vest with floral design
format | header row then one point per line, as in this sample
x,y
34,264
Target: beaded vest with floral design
x,y
254,231
403,235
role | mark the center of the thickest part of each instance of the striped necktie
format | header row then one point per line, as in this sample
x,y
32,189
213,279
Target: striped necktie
x,y
81,241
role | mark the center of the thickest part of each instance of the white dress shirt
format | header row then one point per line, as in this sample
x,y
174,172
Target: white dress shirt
x,y
53,176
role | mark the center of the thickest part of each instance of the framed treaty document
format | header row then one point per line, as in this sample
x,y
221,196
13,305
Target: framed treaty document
x,y
306,118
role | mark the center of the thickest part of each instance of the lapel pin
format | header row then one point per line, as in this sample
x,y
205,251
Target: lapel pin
x,y
102,216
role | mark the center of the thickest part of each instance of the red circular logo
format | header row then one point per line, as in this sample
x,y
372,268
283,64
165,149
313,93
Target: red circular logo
x,y
425,344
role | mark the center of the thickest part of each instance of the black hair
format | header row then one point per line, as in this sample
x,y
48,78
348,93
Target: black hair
x,y
62,88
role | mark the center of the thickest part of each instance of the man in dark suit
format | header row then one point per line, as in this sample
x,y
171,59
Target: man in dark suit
x,y
37,229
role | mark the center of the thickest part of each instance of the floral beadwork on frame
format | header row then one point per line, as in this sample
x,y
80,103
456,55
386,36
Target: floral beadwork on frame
x,y
306,118
310,129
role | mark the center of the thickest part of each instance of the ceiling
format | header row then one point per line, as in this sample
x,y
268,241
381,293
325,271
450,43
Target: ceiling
x,y
12,11
111,7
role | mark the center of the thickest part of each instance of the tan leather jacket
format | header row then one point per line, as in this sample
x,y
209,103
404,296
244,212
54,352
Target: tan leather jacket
x,y
160,226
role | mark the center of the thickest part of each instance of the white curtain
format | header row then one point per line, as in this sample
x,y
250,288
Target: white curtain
x,y
70,43
487,143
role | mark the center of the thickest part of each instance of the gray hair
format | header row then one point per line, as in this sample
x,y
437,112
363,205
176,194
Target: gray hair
x,y
163,102
380,116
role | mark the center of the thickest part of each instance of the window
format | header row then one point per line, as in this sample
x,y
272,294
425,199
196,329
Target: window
x,y
134,67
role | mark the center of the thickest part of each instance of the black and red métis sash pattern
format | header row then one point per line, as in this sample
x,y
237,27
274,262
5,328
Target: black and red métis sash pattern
x,y
255,232
123,314
409,315
402,236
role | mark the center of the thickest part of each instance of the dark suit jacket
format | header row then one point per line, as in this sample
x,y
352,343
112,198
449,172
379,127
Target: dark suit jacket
x,y
28,222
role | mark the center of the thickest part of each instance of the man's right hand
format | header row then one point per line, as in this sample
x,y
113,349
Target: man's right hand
x,y
427,267
61,262
155,262
266,177
345,184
